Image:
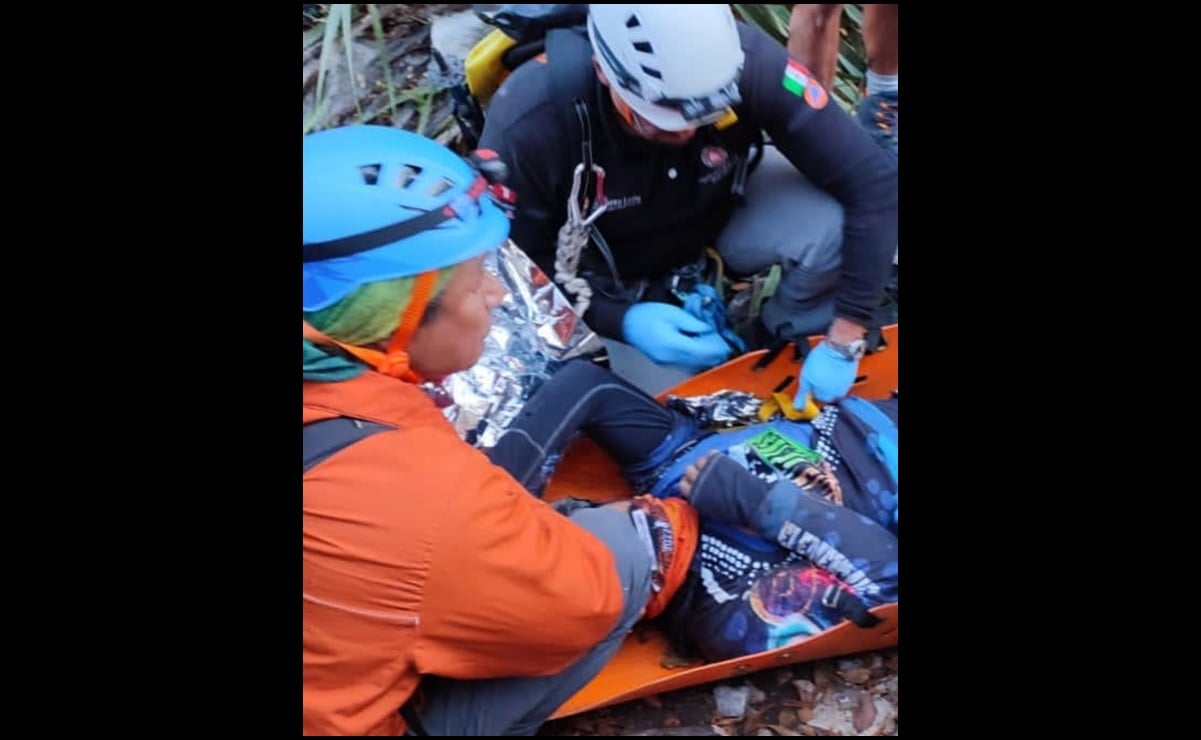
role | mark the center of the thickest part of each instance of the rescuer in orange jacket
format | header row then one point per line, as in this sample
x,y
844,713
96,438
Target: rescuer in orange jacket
x,y
425,563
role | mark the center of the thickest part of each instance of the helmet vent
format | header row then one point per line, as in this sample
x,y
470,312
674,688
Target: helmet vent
x,y
652,72
371,173
644,47
441,187
633,22
407,174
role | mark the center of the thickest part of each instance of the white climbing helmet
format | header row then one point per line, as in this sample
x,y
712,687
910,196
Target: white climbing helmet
x,y
677,66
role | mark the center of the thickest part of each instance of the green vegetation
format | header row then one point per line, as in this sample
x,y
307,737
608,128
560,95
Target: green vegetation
x,y
331,32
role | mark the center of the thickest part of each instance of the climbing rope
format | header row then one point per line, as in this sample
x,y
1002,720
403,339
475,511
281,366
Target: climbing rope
x,y
573,238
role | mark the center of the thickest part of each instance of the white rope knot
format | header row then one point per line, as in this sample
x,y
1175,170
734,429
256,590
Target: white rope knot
x,y
573,238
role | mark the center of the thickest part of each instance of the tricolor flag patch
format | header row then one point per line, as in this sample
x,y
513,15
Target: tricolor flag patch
x,y
796,78
801,83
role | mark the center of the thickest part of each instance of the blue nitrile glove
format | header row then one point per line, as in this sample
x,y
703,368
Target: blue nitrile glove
x,y
826,374
669,335
705,304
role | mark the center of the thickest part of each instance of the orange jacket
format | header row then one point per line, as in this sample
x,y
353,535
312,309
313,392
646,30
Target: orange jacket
x,y
421,556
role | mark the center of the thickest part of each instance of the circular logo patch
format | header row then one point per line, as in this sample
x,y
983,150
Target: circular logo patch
x,y
815,95
713,156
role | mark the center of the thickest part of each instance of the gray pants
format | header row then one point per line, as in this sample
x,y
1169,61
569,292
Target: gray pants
x,y
519,706
628,362
788,221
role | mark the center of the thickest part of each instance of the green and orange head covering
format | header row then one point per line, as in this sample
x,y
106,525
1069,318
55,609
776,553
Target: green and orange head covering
x,y
368,315
386,213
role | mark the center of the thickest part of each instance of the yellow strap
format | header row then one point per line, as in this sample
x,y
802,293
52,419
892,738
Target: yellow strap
x,y
782,403
719,283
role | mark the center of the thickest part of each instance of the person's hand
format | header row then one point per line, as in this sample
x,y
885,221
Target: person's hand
x,y
691,473
670,335
826,374
822,479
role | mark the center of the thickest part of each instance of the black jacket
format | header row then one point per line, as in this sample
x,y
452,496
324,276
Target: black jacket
x,y
668,203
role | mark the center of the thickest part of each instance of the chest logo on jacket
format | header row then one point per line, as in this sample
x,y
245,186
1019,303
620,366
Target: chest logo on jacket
x,y
719,162
623,201
713,156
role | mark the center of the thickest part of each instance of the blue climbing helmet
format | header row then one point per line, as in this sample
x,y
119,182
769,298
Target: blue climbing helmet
x,y
381,203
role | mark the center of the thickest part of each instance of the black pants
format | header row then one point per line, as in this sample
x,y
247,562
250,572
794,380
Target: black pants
x,y
582,397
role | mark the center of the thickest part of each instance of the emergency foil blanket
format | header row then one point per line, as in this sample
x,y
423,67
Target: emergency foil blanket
x,y
534,332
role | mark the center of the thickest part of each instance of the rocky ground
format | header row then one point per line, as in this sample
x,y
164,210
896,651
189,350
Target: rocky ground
x,y
855,695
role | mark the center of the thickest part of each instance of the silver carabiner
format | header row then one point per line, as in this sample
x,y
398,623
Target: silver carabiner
x,y
573,204
573,201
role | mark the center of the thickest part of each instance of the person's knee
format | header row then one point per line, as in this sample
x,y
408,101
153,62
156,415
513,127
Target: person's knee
x,y
821,252
614,528
787,220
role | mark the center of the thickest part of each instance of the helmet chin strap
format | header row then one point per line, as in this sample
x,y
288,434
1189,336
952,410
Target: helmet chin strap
x,y
395,361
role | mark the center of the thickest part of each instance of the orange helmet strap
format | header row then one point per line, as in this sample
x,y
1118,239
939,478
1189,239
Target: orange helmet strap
x,y
394,363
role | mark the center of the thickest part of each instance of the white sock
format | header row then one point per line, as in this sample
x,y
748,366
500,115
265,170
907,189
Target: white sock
x,y
880,83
